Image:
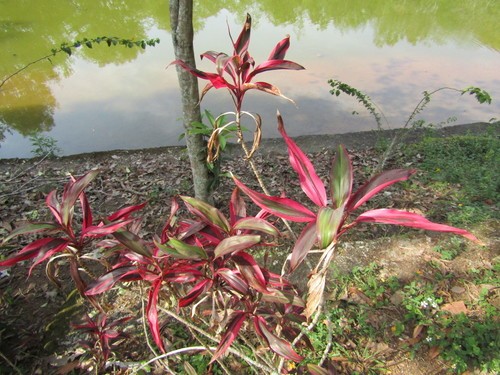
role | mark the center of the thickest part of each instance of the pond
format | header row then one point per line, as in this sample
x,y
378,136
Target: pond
x,y
108,98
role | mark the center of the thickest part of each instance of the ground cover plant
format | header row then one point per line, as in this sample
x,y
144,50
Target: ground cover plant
x,y
201,271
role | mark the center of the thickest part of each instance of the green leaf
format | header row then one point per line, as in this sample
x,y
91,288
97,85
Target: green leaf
x,y
235,243
341,178
208,213
328,224
181,250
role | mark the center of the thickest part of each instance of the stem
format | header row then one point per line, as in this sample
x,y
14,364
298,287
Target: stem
x,y
231,350
255,171
401,132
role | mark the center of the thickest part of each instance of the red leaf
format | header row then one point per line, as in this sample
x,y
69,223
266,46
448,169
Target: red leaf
x,y
54,206
309,181
232,329
241,44
276,344
72,191
108,280
216,80
103,230
86,211
45,252
273,65
195,292
410,219
282,207
233,279
304,244
279,52
125,212
237,207
152,313
376,184
30,251
251,271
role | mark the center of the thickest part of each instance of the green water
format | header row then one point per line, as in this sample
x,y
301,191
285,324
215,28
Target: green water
x,y
387,48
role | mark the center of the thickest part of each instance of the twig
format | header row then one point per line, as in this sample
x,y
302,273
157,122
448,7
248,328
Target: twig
x,y
11,364
329,343
175,352
231,350
19,174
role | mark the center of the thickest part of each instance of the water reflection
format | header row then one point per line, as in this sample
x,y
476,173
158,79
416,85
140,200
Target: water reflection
x,y
99,99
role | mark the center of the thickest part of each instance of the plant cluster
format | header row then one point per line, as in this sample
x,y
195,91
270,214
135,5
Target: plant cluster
x,y
201,269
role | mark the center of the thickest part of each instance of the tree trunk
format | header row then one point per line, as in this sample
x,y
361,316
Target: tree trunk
x,y
181,20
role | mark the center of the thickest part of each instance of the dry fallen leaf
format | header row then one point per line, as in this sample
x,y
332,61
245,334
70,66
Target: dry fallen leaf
x,y
455,307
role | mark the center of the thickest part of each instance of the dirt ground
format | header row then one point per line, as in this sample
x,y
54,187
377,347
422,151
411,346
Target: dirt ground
x,y
34,334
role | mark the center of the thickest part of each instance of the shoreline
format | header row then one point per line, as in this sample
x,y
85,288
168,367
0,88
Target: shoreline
x,y
309,143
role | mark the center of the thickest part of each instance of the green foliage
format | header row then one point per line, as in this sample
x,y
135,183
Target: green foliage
x,y
44,146
450,249
339,87
481,95
110,41
465,170
466,342
68,48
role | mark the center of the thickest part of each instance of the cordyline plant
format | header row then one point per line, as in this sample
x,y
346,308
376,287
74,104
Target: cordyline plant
x,y
333,216
64,238
237,73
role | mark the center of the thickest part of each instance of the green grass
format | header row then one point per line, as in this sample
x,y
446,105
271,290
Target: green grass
x,y
415,322
464,171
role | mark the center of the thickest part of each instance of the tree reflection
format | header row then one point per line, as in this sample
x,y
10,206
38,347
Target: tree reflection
x,y
29,29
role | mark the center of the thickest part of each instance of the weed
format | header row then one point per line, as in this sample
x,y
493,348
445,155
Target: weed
x,y
44,146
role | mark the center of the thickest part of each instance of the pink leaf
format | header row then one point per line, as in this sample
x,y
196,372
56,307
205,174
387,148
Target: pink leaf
x,y
304,244
376,184
410,219
282,207
276,344
232,329
309,181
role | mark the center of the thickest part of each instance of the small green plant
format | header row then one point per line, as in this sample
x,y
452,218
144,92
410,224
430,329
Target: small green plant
x,y
44,146
465,342
449,250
